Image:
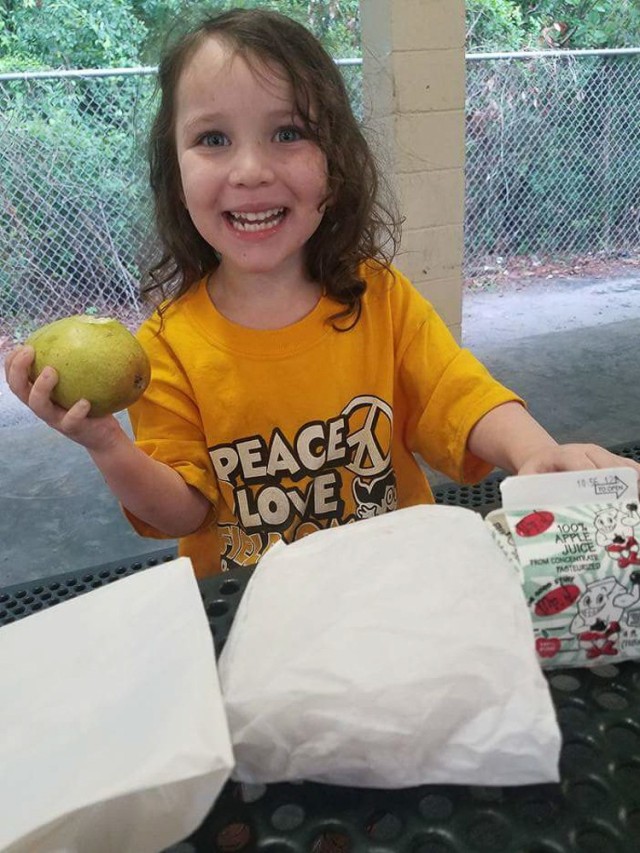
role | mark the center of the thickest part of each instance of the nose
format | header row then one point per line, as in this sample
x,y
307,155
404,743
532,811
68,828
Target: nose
x,y
251,166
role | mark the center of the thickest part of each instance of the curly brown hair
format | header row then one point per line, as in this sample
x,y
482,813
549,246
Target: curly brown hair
x,y
357,225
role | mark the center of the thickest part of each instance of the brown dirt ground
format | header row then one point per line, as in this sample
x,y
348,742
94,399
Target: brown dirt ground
x,y
517,273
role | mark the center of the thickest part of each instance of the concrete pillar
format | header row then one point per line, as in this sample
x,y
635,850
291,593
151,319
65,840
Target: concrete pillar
x,y
414,90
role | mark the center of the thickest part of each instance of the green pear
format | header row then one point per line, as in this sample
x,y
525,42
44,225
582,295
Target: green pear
x,y
97,359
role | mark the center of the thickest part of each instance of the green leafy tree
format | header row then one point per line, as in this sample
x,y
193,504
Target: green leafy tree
x,y
581,23
536,24
87,34
493,25
72,33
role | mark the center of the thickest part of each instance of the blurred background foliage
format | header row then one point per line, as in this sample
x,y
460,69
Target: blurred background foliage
x,y
85,34
499,25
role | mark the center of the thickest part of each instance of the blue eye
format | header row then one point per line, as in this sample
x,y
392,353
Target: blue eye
x,y
215,139
288,134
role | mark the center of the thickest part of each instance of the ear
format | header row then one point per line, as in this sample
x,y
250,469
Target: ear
x,y
326,203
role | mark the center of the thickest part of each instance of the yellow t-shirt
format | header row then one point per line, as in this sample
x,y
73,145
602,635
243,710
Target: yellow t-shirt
x,y
291,430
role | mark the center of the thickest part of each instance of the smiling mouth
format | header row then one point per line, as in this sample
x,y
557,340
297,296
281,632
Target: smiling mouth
x,y
259,221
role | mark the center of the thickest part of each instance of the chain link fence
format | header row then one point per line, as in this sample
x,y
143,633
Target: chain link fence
x,y
553,156
553,166
74,211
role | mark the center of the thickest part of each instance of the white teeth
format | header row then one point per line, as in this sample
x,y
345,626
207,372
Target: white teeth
x,y
256,221
259,217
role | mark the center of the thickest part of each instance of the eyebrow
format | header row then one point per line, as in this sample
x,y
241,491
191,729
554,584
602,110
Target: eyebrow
x,y
214,118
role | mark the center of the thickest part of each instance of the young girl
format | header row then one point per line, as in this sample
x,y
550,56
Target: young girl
x,y
295,373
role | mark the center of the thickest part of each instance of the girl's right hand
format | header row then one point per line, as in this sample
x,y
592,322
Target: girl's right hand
x,y
92,433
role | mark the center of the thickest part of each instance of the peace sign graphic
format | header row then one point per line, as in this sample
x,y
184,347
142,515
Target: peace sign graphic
x,y
370,422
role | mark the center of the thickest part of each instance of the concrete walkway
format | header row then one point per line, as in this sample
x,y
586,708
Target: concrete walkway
x,y
56,514
570,348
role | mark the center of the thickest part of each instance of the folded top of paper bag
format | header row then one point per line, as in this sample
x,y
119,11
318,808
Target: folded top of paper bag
x,y
396,651
113,737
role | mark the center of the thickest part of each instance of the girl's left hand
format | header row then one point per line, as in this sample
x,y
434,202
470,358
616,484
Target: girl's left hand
x,y
573,457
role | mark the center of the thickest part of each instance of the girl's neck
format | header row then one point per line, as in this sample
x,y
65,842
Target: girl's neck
x,y
259,302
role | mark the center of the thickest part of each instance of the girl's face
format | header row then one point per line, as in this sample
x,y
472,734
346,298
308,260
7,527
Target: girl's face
x,y
251,181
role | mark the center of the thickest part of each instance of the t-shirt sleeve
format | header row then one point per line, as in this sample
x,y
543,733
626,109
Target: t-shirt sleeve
x,y
167,425
448,392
